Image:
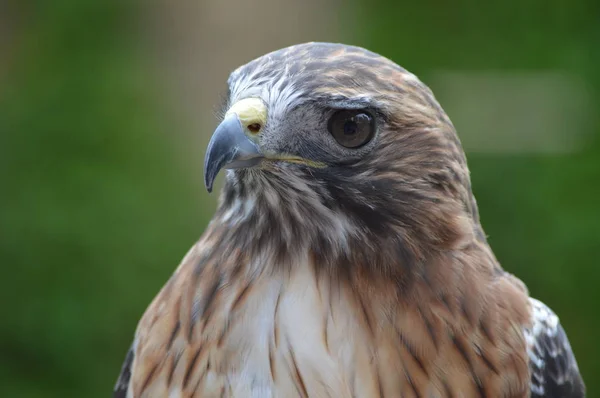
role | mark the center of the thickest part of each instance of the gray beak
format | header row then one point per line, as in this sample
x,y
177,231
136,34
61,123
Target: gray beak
x,y
229,148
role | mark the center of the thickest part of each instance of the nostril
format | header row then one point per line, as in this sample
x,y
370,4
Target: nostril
x,y
254,128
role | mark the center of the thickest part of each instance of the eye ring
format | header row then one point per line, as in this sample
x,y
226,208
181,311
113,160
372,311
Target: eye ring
x,y
352,128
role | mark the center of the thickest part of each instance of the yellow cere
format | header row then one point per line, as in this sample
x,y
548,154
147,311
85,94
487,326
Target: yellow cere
x,y
250,111
254,111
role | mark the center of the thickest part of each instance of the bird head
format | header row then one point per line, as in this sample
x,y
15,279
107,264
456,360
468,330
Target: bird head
x,y
336,146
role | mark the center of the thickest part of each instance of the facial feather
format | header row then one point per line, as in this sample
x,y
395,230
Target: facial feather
x,y
412,184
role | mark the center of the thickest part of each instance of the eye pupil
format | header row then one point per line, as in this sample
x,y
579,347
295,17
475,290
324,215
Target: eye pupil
x,y
352,128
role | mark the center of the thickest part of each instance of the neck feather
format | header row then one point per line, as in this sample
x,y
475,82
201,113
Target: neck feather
x,y
280,217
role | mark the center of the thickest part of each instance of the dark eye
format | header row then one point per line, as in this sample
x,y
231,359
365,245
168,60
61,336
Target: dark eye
x,y
351,128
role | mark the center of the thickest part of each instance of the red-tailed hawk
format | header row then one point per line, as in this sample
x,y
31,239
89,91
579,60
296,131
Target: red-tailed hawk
x,y
346,257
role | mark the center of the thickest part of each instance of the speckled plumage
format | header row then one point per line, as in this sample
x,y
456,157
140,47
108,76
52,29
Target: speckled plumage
x,y
370,277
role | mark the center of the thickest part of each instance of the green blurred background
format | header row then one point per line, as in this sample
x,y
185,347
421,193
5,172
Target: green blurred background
x,y
106,107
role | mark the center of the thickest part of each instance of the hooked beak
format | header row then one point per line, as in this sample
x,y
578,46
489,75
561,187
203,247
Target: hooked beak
x,y
229,148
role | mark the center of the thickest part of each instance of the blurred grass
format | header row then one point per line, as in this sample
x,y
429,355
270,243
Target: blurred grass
x,y
95,212
97,208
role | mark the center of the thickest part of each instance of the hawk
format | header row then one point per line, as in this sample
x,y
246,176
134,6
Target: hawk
x,y
346,257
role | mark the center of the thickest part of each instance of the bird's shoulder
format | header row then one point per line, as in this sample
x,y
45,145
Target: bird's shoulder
x,y
167,346
554,370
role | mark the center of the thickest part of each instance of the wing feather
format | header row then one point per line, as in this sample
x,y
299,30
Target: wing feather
x,y
554,370
122,384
